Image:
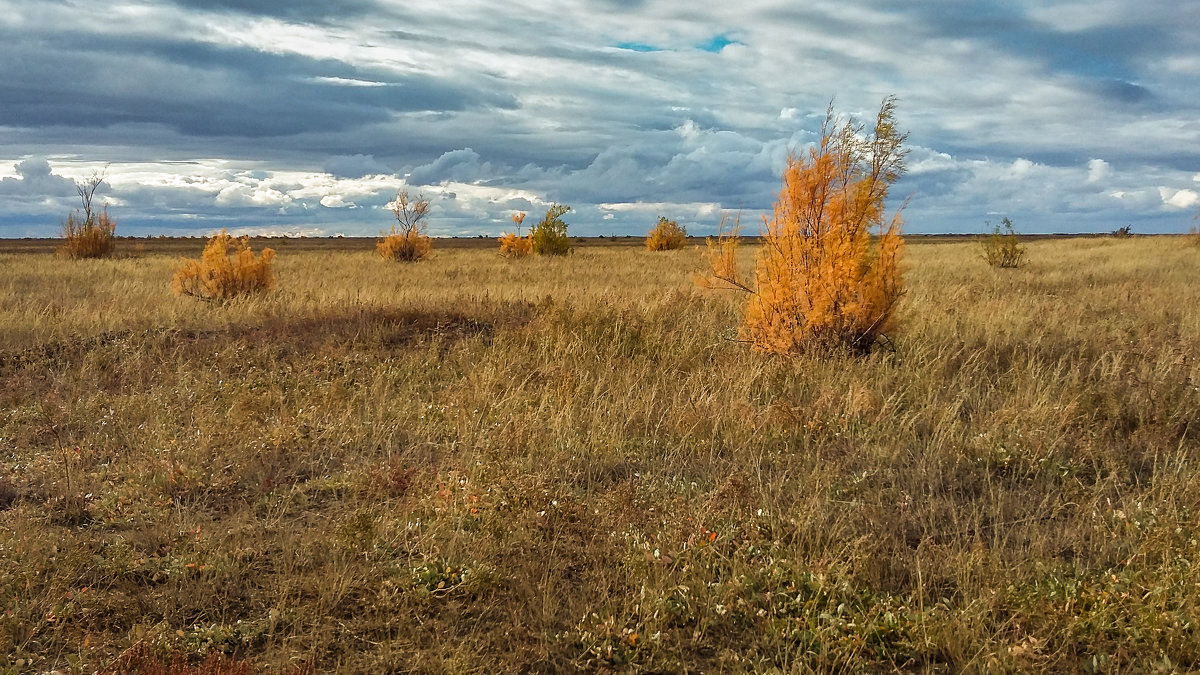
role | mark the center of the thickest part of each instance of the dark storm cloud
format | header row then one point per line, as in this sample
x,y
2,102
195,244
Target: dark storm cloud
x,y
203,90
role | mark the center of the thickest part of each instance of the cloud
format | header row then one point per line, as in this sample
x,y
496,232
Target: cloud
x,y
287,114
35,178
1179,199
1098,170
354,166
464,166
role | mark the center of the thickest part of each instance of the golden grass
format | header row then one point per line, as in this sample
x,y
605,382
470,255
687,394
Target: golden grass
x,y
473,466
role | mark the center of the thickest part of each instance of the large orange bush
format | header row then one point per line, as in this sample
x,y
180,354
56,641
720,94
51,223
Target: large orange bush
x,y
819,281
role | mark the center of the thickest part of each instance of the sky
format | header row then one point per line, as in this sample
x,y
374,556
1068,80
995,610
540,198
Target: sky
x,y
305,117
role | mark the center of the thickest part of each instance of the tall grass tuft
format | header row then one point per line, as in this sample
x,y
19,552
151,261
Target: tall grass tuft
x,y
819,283
226,269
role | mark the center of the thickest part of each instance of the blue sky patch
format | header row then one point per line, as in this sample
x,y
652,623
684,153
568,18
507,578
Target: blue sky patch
x,y
717,43
638,47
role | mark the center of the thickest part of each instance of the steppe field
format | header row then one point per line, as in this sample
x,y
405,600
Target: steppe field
x,y
472,464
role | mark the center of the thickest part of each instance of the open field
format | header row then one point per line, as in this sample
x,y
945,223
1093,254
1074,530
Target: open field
x,y
476,465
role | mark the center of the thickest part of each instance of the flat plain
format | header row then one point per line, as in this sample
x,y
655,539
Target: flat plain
x,y
471,464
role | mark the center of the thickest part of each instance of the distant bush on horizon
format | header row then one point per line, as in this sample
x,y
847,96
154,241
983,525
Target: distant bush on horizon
x,y
407,241
550,235
1002,248
512,244
88,234
667,235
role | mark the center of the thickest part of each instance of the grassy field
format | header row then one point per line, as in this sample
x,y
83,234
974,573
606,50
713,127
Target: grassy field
x,y
476,465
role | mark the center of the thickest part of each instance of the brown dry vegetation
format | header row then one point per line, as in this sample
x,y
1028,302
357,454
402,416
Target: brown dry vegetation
x,y
227,268
468,465
407,241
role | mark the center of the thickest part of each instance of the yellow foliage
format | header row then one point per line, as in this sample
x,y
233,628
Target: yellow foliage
x,y
227,268
407,241
88,236
667,235
818,281
512,245
408,246
721,255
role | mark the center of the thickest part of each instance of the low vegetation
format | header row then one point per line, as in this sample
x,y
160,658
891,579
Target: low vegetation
x,y
473,467
407,241
667,235
88,233
226,269
549,236
512,244
1002,248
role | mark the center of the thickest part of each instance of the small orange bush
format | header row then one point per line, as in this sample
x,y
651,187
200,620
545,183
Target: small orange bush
x,y
407,241
667,235
226,269
90,236
818,282
512,245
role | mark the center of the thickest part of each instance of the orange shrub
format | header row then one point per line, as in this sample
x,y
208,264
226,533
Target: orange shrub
x,y
667,235
88,236
407,240
226,269
513,245
818,281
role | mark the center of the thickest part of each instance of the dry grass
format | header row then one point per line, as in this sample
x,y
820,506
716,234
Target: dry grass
x,y
473,466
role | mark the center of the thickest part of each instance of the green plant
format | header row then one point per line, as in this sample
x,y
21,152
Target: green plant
x,y
407,241
88,234
550,235
1002,248
226,269
818,282
667,235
